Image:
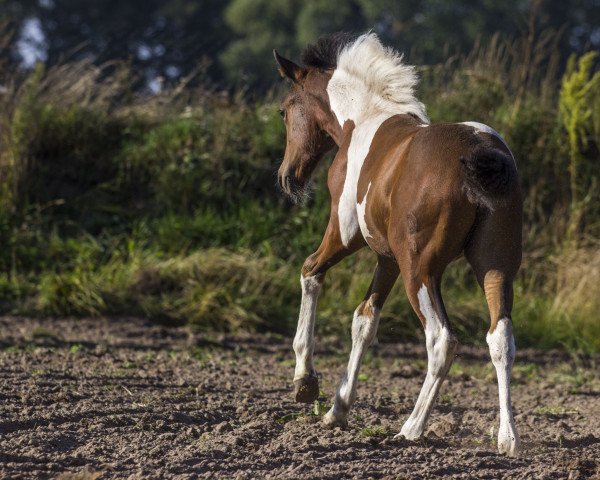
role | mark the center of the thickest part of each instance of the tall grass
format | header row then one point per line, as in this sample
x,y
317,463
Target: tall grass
x,y
166,206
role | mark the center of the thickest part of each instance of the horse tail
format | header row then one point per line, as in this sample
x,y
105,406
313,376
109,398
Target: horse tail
x,y
490,175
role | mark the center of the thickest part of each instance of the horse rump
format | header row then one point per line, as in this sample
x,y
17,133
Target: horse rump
x,y
490,176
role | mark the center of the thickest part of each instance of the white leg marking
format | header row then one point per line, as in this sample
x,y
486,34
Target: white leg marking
x,y
304,340
483,128
364,328
502,352
441,346
361,211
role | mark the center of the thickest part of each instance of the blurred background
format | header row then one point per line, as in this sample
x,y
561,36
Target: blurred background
x,y
139,142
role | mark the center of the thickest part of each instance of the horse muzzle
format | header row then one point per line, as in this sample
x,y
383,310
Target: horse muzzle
x,y
290,184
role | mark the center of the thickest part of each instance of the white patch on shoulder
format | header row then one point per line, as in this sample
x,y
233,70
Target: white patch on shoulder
x,y
360,143
361,210
369,85
483,128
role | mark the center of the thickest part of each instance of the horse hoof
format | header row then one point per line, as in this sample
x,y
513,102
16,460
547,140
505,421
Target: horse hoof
x,y
511,447
306,389
410,432
331,421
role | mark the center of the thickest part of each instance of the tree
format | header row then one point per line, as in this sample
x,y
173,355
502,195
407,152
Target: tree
x,y
165,38
169,38
259,26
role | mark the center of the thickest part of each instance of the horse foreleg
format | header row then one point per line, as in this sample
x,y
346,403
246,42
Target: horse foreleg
x,y
330,252
364,328
306,383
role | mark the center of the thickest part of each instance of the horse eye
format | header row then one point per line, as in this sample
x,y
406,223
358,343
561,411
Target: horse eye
x,y
282,112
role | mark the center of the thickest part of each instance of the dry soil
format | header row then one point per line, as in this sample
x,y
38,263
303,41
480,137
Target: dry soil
x,y
122,398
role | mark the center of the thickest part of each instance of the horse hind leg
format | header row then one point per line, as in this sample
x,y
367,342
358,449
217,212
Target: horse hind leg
x,y
495,255
500,339
441,344
502,351
364,329
498,291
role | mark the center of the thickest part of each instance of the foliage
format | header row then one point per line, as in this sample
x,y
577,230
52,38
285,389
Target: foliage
x,y
166,206
231,40
161,39
578,107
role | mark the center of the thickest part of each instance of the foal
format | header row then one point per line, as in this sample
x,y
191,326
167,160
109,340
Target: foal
x,y
419,195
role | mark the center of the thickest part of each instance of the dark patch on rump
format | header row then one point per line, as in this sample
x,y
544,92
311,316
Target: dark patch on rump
x,y
490,175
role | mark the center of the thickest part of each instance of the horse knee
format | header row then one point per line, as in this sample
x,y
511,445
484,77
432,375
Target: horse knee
x,y
311,284
311,266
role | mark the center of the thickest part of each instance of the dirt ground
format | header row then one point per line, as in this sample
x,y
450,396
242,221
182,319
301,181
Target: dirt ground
x,y
126,399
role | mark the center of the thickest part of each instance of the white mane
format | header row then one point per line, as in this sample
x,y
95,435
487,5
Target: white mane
x,y
371,80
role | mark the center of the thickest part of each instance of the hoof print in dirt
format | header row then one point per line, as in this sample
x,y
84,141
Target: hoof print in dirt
x,y
306,389
445,427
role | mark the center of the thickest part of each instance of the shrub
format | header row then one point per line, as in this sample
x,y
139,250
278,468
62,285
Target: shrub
x,y
166,206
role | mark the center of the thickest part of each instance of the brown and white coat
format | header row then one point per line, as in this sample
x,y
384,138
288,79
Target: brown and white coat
x,y
418,195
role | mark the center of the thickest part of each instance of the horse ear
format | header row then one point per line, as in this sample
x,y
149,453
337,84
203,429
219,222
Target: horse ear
x,y
288,69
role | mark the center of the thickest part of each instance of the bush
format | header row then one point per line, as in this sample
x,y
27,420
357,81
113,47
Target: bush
x,y
166,206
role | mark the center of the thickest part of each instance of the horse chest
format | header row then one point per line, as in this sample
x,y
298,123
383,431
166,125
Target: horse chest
x,y
351,210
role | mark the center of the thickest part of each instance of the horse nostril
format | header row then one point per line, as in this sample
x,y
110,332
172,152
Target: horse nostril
x,y
281,181
287,182
284,181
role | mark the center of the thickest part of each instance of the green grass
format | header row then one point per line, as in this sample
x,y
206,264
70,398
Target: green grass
x,y
290,417
373,432
166,207
478,371
554,410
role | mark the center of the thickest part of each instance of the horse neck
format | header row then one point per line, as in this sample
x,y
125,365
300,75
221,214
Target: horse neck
x,y
347,100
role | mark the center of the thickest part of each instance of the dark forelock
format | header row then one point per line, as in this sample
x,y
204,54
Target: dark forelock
x,y
324,53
